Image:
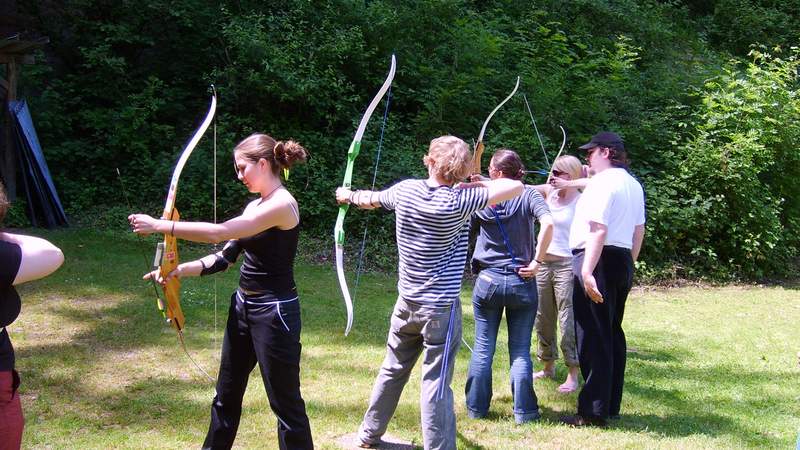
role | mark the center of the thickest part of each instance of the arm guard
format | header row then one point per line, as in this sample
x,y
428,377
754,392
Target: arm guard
x,y
223,259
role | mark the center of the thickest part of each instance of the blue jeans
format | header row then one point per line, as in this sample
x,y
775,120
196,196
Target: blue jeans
x,y
495,290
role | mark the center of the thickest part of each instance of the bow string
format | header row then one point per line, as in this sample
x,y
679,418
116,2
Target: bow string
x,y
476,158
167,257
541,143
563,144
352,153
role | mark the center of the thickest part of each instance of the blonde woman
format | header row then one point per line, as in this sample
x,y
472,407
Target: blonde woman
x,y
555,279
432,224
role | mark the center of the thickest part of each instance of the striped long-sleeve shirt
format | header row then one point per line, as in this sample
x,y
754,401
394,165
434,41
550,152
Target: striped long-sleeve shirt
x,y
432,225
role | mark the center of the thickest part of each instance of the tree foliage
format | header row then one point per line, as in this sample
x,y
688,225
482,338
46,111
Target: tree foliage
x,y
713,132
731,206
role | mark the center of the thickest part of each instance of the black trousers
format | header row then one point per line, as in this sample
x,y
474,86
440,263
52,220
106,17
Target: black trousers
x,y
266,330
602,350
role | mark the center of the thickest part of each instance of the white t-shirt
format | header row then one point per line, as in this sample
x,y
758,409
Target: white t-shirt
x,y
612,198
562,222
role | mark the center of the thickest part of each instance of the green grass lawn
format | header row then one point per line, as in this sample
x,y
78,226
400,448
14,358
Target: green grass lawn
x,y
707,367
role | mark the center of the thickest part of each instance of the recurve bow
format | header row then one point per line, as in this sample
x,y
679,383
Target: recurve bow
x,y
352,152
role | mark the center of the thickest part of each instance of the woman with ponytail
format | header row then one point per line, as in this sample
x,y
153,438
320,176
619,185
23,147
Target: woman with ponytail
x,y
264,316
506,258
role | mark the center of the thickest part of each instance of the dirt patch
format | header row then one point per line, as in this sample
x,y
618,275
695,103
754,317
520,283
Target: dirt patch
x,y
388,442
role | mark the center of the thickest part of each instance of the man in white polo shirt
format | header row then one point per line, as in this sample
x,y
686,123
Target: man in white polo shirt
x,y
605,237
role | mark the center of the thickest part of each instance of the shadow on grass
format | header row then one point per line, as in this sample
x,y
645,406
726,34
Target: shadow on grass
x,y
99,291
647,376
792,284
464,442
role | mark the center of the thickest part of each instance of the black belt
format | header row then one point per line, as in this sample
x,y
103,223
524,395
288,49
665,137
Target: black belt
x,y
578,251
249,292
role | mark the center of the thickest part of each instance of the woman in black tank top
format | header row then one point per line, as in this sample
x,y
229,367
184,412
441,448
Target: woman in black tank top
x,y
264,316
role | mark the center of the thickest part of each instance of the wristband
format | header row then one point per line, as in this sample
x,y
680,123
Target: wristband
x,y
353,196
172,231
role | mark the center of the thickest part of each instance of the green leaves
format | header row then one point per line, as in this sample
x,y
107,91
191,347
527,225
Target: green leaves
x,y
737,177
713,139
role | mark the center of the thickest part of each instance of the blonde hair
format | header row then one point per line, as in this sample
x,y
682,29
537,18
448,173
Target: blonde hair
x,y
450,159
569,164
279,154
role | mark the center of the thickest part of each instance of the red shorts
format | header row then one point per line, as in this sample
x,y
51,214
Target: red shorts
x,y
11,420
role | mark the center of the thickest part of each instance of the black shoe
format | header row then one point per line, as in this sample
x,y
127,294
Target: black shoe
x,y
578,420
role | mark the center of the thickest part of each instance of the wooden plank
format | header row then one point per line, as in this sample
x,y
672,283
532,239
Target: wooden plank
x,y
19,59
12,73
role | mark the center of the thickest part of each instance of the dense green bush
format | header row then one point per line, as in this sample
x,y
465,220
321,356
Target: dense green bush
x,y
731,207
123,84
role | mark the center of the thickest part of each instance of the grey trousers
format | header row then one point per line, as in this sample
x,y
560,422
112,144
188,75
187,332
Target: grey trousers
x,y
416,329
554,281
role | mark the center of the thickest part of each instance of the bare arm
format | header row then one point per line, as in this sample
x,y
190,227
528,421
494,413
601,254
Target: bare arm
x,y
257,217
594,247
638,238
560,183
543,189
503,189
186,269
545,237
40,258
359,199
500,189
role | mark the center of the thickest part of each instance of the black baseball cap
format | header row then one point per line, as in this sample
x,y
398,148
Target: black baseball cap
x,y
605,139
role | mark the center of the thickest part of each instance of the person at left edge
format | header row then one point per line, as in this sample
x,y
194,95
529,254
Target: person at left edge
x,y
22,259
264,315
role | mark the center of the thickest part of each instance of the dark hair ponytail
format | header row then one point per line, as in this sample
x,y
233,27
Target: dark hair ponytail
x,y
279,154
508,162
288,153
618,158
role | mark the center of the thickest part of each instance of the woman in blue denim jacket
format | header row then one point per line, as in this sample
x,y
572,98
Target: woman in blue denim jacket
x,y
506,259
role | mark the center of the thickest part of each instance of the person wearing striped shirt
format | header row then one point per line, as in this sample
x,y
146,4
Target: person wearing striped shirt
x,y
432,223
